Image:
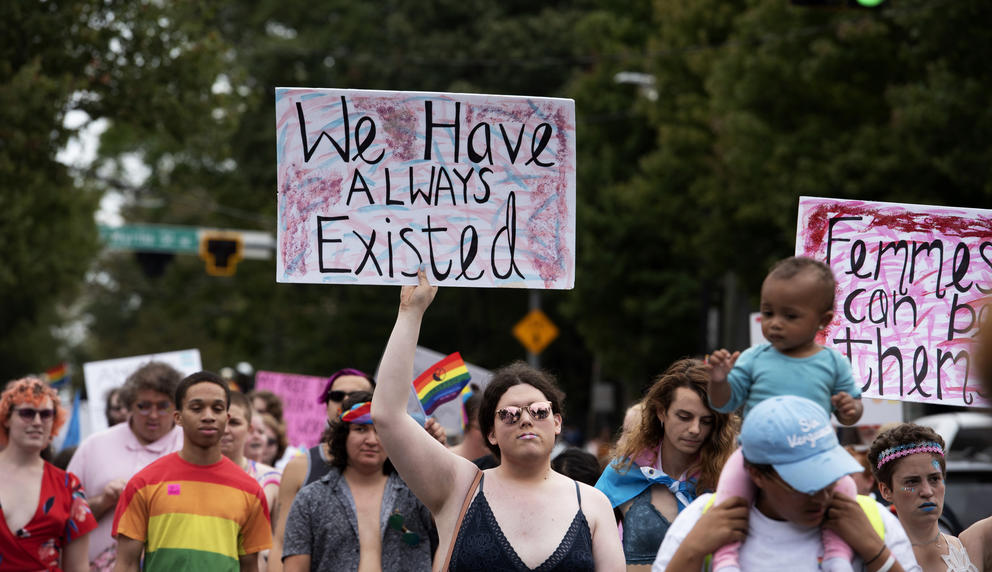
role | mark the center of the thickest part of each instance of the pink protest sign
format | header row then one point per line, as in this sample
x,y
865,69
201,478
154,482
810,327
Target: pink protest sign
x,y
305,416
912,281
480,189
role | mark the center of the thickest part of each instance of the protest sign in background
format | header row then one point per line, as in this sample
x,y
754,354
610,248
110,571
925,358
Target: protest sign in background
x,y
305,415
102,376
478,188
911,283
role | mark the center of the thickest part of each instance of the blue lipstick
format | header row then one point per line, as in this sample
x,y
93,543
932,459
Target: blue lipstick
x,y
928,507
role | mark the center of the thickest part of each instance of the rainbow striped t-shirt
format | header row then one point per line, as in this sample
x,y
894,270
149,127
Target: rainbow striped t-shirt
x,y
194,517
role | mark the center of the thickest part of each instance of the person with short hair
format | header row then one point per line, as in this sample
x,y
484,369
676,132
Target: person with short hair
x,y
276,442
46,519
361,515
908,463
194,509
106,460
793,457
518,515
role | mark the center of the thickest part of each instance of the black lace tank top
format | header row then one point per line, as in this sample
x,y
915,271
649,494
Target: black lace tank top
x,y
480,544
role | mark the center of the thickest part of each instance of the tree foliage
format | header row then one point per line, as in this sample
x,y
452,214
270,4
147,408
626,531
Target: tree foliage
x,y
681,183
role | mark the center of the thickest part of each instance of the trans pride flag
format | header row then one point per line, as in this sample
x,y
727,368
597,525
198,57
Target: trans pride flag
x,y
441,382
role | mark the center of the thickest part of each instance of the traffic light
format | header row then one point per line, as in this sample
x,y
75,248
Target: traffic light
x,y
221,251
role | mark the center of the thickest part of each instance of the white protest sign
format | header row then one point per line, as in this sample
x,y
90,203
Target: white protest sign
x,y
102,376
911,285
480,189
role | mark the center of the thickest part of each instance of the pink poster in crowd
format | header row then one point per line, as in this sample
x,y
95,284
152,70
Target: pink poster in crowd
x,y
479,189
912,282
305,416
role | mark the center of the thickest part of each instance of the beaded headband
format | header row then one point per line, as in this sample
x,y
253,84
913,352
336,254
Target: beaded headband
x,y
894,453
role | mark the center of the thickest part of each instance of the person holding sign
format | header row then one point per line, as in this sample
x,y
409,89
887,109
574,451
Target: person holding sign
x,y
797,301
908,462
516,516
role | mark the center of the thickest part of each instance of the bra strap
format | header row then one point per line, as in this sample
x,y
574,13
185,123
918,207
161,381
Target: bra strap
x,y
577,495
461,516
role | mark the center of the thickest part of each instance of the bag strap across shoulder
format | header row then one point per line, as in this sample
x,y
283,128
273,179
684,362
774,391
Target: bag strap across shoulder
x,y
461,517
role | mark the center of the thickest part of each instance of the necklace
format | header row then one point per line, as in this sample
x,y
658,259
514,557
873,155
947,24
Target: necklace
x,y
935,538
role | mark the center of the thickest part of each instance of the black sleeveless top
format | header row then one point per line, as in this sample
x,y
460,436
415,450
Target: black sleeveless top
x,y
317,465
480,544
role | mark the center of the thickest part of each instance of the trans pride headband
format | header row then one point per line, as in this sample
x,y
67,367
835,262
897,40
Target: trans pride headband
x,y
360,413
893,453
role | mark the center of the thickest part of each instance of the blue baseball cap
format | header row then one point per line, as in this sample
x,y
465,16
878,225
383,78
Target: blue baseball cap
x,y
794,435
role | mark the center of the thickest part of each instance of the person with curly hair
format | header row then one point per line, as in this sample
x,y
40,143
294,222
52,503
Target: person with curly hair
x,y
47,519
673,451
908,463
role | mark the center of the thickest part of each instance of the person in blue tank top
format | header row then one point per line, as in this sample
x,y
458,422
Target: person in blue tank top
x,y
520,515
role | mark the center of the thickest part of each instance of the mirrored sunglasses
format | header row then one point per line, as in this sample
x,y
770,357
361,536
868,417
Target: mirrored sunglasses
x,y
539,411
396,523
28,413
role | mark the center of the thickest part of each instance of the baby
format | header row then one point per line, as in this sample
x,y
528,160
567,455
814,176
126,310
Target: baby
x,y
797,301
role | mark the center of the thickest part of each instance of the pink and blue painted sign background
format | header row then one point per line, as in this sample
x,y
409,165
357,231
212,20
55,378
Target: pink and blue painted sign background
x,y
306,416
912,281
480,189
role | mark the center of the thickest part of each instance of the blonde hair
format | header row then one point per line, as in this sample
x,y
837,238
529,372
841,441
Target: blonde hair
x,y
649,432
33,391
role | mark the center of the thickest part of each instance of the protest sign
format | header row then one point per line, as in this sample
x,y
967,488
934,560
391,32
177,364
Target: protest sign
x,y
102,376
305,415
479,189
911,284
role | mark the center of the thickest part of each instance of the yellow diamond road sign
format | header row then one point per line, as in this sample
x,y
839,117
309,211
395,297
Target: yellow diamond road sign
x,y
535,331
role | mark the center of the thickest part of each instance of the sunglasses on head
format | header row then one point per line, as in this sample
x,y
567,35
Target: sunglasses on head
x,y
539,410
145,407
28,413
396,523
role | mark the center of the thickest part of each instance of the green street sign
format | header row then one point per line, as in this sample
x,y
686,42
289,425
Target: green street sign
x,y
151,238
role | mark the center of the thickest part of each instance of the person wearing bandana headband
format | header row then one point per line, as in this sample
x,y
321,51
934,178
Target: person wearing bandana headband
x,y
908,463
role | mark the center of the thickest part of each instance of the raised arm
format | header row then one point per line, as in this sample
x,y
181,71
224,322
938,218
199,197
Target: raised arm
x,y
428,468
720,363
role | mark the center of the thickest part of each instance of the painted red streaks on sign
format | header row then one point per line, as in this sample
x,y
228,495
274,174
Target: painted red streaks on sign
x,y
909,282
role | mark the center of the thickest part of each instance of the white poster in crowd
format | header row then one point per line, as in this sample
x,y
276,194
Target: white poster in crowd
x,y
912,282
477,189
102,376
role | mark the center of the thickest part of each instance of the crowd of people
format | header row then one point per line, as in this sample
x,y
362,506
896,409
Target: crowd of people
x,y
728,463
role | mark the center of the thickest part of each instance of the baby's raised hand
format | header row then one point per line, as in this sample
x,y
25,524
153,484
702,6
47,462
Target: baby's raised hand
x,y
720,363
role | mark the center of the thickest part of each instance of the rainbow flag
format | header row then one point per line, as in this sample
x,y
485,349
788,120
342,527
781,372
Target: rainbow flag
x,y
58,375
360,413
441,382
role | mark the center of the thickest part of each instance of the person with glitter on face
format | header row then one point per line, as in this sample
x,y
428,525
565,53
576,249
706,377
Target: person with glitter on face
x,y
46,519
908,463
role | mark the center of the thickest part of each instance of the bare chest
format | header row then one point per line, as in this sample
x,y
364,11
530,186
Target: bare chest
x,y
19,495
